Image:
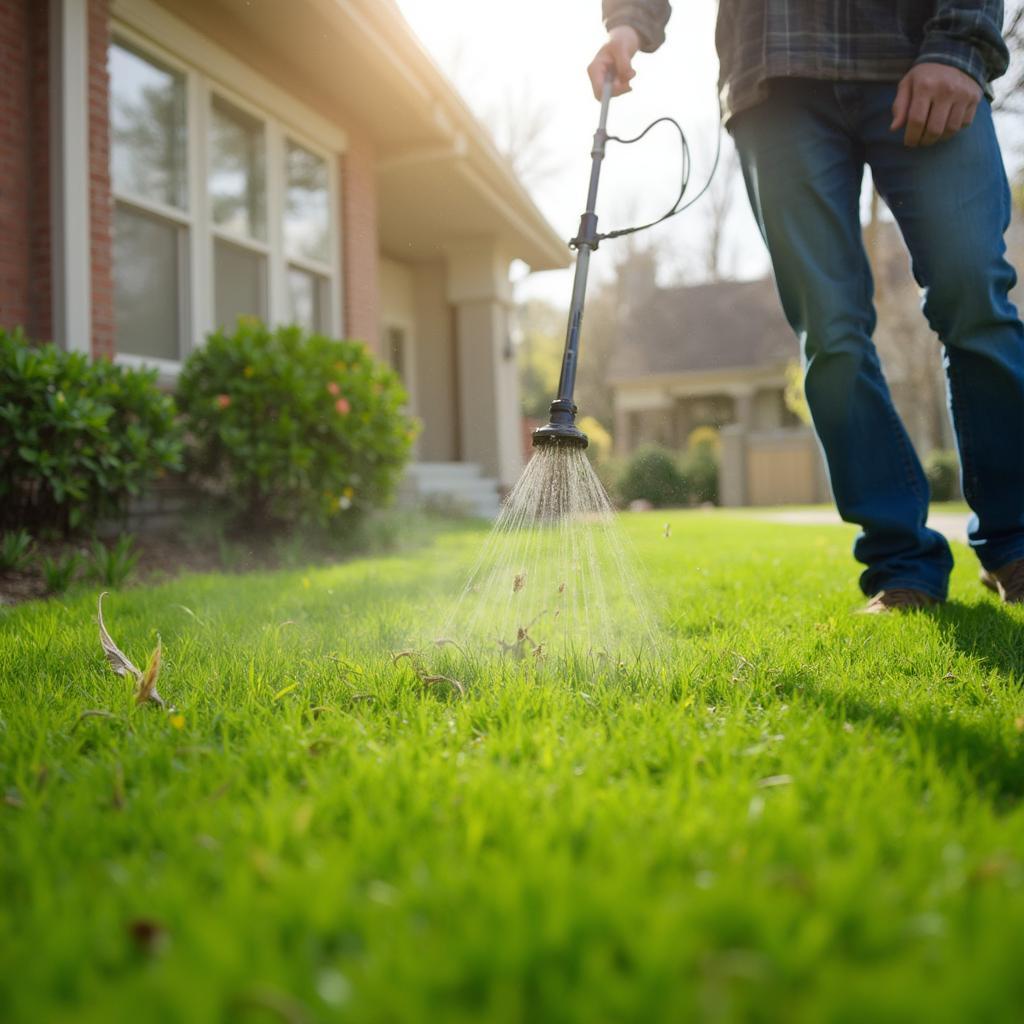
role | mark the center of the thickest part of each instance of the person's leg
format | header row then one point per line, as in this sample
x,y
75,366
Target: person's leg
x,y
952,203
803,165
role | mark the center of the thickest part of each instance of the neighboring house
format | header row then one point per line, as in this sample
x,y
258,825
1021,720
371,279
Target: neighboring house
x,y
715,355
168,166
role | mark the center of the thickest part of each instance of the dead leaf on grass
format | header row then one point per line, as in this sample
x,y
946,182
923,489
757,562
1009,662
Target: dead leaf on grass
x,y
145,682
443,641
148,936
119,661
454,683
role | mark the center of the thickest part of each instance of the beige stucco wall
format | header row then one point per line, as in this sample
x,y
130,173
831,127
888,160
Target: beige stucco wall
x,y
435,365
397,298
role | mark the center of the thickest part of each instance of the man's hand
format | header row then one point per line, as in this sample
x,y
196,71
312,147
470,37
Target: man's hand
x,y
617,54
933,102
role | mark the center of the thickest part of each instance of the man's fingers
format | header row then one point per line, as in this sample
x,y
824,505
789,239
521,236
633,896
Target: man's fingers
x,y
917,121
624,72
598,69
616,60
938,118
956,120
901,104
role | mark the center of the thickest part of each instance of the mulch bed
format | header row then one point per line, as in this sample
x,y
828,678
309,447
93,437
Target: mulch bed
x,y
161,556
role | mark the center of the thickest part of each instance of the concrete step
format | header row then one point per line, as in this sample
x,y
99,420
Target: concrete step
x,y
435,469
455,485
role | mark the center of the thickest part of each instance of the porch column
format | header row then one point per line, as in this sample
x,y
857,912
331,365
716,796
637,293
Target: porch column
x,y
743,404
488,385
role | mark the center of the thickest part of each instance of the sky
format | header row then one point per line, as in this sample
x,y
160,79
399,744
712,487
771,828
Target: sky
x,y
535,52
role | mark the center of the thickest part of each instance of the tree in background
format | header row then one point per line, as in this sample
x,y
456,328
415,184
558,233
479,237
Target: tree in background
x,y
1010,94
540,327
718,204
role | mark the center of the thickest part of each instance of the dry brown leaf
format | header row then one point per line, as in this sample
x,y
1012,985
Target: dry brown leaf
x,y
430,680
147,681
119,661
443,641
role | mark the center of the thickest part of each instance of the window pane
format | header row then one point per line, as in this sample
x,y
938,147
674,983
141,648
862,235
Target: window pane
x,y
307,299
238,191
147,128
307,209
147,282
240,283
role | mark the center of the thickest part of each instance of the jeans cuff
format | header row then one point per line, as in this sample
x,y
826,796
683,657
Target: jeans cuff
x,y
911,584
991,564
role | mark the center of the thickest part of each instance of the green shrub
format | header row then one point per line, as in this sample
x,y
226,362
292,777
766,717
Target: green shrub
x,y
942,468
112,566
699,465
15,549
699,468
290,427
651,474
77,437
59,572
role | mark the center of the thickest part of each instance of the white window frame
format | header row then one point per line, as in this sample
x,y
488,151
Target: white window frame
x,y
283,118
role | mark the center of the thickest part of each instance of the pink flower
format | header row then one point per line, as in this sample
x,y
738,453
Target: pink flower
x,y
342,406
223,401
333,388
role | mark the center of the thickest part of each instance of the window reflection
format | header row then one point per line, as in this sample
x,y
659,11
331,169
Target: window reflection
x,y
307,210
237,171
147,128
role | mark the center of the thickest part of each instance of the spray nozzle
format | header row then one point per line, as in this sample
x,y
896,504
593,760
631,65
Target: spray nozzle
x,y
561,429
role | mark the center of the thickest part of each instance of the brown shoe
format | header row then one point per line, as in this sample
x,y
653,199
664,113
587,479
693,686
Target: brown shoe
x,y
1007,582
899,599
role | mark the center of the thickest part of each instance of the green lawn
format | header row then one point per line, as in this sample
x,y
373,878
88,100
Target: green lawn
x,y
806,815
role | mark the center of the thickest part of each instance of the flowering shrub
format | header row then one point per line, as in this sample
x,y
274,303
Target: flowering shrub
x,y
293,427
78,438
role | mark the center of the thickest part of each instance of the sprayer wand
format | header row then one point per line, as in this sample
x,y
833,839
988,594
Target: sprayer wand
x,y
562,429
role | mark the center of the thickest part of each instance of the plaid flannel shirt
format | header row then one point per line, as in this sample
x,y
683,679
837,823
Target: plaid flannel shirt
x,y
867,40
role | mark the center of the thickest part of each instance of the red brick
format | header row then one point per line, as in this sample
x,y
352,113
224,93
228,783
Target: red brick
x,y
360,245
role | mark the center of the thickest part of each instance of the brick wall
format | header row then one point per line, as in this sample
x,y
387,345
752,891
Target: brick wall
x,y
359,241
26,257
100,202
25,266
39,322
15,134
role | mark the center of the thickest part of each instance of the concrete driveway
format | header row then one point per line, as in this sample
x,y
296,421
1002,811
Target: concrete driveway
x,y
953,525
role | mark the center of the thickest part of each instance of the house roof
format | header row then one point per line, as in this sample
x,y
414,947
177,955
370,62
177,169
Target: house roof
x,y
727,325
440,178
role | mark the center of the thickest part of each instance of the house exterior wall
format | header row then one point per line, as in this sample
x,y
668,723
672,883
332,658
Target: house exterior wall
x,y
359,241
436,374
24,167
27,106
397,300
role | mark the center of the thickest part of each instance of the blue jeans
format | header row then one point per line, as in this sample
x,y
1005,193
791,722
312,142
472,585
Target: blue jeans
x,y
803,153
